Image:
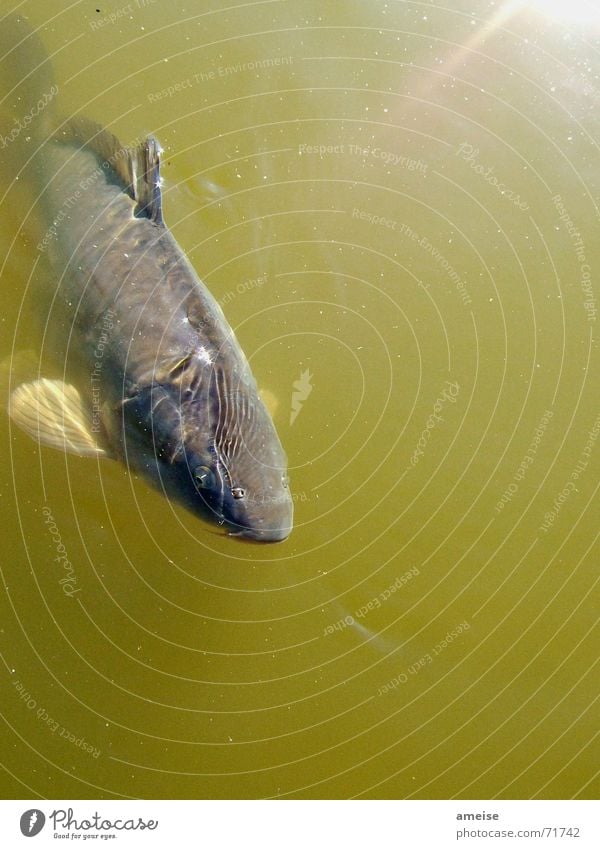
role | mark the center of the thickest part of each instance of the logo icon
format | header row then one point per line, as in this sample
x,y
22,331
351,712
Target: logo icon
x,y
32,822
302,389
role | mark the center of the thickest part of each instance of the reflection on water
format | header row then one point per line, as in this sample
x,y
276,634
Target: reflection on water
x,y
396,207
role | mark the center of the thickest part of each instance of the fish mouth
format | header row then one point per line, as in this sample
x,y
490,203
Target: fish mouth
x,y
260,534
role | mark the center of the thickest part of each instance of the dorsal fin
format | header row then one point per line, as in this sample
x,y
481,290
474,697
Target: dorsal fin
x,y
137,169
147,171
107,147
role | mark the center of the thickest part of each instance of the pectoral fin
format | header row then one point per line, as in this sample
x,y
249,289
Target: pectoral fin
x,y
52,412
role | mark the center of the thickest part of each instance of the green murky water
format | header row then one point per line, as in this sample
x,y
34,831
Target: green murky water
x,y
396,204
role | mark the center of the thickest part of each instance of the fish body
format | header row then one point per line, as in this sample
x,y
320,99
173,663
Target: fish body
x,y
159,379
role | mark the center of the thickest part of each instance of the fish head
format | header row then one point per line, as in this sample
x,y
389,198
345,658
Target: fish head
x,y
221,458
248,499
239,469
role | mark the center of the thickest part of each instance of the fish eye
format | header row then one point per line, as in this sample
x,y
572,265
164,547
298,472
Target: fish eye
x,y
285,481
238,492
203,477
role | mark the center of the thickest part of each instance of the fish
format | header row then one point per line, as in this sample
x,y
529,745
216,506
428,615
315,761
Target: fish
x,y
156,377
